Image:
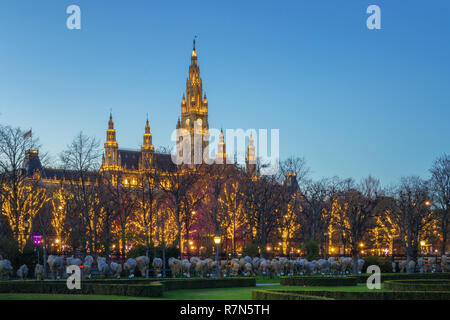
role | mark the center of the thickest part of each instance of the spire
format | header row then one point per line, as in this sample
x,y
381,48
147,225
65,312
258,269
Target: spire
x,y
251,157
221,156
194,54
111,132
109,159
147,126
111,122
147,142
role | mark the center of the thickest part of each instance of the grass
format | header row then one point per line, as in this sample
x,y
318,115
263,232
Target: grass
x,y
244,293
38,296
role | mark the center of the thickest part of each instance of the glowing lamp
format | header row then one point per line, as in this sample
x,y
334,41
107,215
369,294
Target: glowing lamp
x,y
217,240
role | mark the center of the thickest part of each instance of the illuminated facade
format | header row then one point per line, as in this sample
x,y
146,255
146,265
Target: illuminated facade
x,y
129,164
193,125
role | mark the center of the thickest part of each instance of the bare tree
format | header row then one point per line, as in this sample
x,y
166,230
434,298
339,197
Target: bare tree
x,y
294,165
80,162
314,217
265,201
412,214
177,186
440,184
357,208
21,194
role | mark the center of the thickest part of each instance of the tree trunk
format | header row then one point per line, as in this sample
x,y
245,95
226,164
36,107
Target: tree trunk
x,y
164,258
355,261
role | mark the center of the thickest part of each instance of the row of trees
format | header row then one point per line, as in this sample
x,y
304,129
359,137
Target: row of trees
x,y
98,211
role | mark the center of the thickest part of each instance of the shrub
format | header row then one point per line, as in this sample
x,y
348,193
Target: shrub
x,y
405,276
137,251
8,248
385,264
280,295
176,284
154,289
418,285
250,249
318,281
312,250
379,295
348,295
136,288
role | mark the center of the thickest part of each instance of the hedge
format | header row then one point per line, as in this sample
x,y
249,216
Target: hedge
x,y
135,288
362,278
154,289
378,295
202,283
319,281
418,285
283,295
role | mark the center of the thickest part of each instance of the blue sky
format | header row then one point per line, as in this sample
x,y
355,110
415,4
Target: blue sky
x,y
352,101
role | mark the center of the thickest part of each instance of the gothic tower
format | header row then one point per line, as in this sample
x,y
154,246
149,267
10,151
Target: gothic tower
x,y
250,160
147,148
110,157
194,112
221,157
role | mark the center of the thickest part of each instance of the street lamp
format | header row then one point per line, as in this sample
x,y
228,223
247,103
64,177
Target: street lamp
x,y
217,243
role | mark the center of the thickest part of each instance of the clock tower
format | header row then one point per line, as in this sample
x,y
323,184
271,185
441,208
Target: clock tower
x,y
194,115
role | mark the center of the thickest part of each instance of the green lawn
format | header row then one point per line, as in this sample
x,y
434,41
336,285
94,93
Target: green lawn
x,y
37,296
244,293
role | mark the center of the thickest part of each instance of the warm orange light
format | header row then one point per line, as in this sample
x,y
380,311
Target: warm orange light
x,y
361,245
332,249
57,241
268,248
217,240
427,203
422,243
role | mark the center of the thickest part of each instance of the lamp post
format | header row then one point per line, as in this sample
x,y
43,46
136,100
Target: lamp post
x,y
217,243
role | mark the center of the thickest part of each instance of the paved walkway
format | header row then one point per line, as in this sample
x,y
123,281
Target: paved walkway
x,y
267,284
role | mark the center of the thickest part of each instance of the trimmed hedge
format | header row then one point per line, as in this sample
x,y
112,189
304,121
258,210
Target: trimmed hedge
x,y
283,295
154,289
380,295
319,281
352,295
202,283
418,285
131,287
362,278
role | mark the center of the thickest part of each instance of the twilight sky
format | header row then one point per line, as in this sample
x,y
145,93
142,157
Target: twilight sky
x,y
352,101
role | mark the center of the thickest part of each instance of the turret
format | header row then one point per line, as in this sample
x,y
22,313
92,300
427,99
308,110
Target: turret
x,y
221,157
147,148
110,159
250,160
